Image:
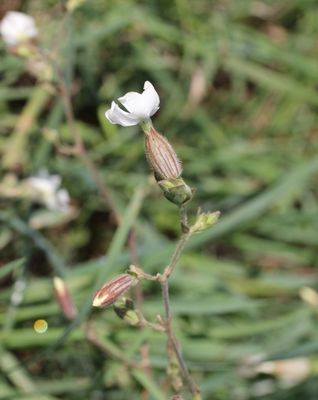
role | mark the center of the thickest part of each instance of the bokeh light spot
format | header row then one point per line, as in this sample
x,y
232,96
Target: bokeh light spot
x,y
40,326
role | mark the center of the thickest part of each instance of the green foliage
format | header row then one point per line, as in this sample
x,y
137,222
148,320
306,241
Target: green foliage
x,y
238,88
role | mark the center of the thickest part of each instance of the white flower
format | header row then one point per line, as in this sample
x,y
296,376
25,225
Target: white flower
x,y
17,27
140,107
47,191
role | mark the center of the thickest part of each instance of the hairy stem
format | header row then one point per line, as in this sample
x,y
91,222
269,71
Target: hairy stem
x,y
176,255
164,281
184,219
173,342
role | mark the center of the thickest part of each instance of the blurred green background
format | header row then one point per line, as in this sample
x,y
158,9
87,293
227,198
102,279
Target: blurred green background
x,y
238,88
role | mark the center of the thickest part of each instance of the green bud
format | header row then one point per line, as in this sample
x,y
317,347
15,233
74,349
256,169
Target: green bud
x,y
205,221
132,317
125,310
176,190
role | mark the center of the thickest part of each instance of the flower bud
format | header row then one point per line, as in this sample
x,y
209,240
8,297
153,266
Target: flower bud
x,y
64,298
176,190
125,310
113,290
205,221
161,156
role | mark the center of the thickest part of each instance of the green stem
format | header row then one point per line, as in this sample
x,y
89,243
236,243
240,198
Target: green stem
x,y
176,255
146,126
184,219
164,281
173,342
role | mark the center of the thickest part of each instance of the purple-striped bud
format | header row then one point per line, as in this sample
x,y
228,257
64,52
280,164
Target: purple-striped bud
x,y
161,156
64,298
113,290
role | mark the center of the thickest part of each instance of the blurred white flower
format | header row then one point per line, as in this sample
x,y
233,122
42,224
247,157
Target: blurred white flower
x,y
291,371
17,27
47,191
140,107
309,295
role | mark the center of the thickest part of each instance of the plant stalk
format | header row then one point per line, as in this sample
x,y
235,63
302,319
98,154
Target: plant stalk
x,y
164,281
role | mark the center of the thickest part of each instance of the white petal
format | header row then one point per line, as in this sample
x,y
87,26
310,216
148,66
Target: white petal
x,y
41,185
55,181
133,102
48,192
116,115
62,199
151,97
144,105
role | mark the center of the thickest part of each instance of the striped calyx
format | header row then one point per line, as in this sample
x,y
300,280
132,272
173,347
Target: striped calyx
x,y
161,156
113,290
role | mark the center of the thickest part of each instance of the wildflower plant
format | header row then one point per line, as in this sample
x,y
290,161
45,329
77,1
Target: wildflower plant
x,y
167,170
72,231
